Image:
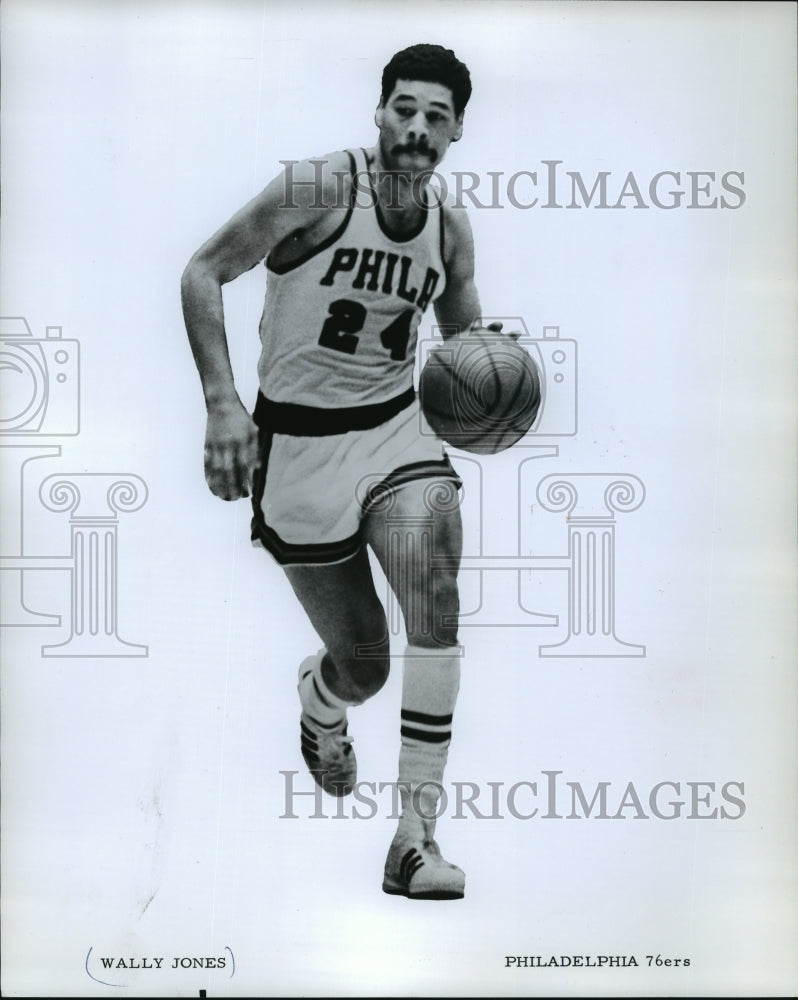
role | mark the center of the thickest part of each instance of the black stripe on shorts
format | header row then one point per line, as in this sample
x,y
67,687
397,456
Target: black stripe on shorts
x,y
297,420
313,553
404,474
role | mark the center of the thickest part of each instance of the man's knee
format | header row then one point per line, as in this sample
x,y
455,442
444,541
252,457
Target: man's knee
x,y
363,670
435,618
369,673
446,639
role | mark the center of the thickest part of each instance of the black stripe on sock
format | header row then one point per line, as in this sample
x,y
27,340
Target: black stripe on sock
x,y
424,719
322,699
425,736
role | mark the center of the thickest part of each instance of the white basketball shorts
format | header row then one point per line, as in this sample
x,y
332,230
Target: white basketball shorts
x,y
322,470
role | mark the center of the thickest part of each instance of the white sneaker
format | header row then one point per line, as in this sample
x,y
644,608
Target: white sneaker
x,y
415,868
327,750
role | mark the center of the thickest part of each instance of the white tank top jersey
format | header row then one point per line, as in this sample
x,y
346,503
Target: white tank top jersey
x,y
339,324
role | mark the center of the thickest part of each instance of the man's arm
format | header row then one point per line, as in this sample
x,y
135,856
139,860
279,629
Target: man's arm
x,y
278,211
457,309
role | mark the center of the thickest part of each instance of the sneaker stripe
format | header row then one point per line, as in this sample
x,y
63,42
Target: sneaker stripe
x,y
329,755
410,864
413,868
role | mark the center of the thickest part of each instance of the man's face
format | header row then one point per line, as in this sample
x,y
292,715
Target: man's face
x,y
417,123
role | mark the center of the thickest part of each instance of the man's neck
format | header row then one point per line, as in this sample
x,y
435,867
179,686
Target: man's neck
x,y
401,194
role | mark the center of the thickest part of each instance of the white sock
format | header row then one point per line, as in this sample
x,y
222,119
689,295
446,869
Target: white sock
x,y
430,684
318,701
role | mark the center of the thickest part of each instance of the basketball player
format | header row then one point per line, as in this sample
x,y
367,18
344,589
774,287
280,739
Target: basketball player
x,y
356,247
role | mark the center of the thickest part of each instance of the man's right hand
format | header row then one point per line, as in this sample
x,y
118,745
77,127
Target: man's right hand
x,y
231,450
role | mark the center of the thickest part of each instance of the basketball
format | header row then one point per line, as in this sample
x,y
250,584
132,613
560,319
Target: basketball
x,y
480,391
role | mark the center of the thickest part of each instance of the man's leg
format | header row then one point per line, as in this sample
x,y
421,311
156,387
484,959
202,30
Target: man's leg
x,y
418,542
343,607
420,524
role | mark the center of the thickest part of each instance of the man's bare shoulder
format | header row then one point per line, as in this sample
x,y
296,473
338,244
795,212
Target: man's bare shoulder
x,y
317,182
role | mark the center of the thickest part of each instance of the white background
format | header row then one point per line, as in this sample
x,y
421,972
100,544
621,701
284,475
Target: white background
x,y
142,796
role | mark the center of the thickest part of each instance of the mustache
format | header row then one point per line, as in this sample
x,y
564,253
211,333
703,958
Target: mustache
x,y
412,148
